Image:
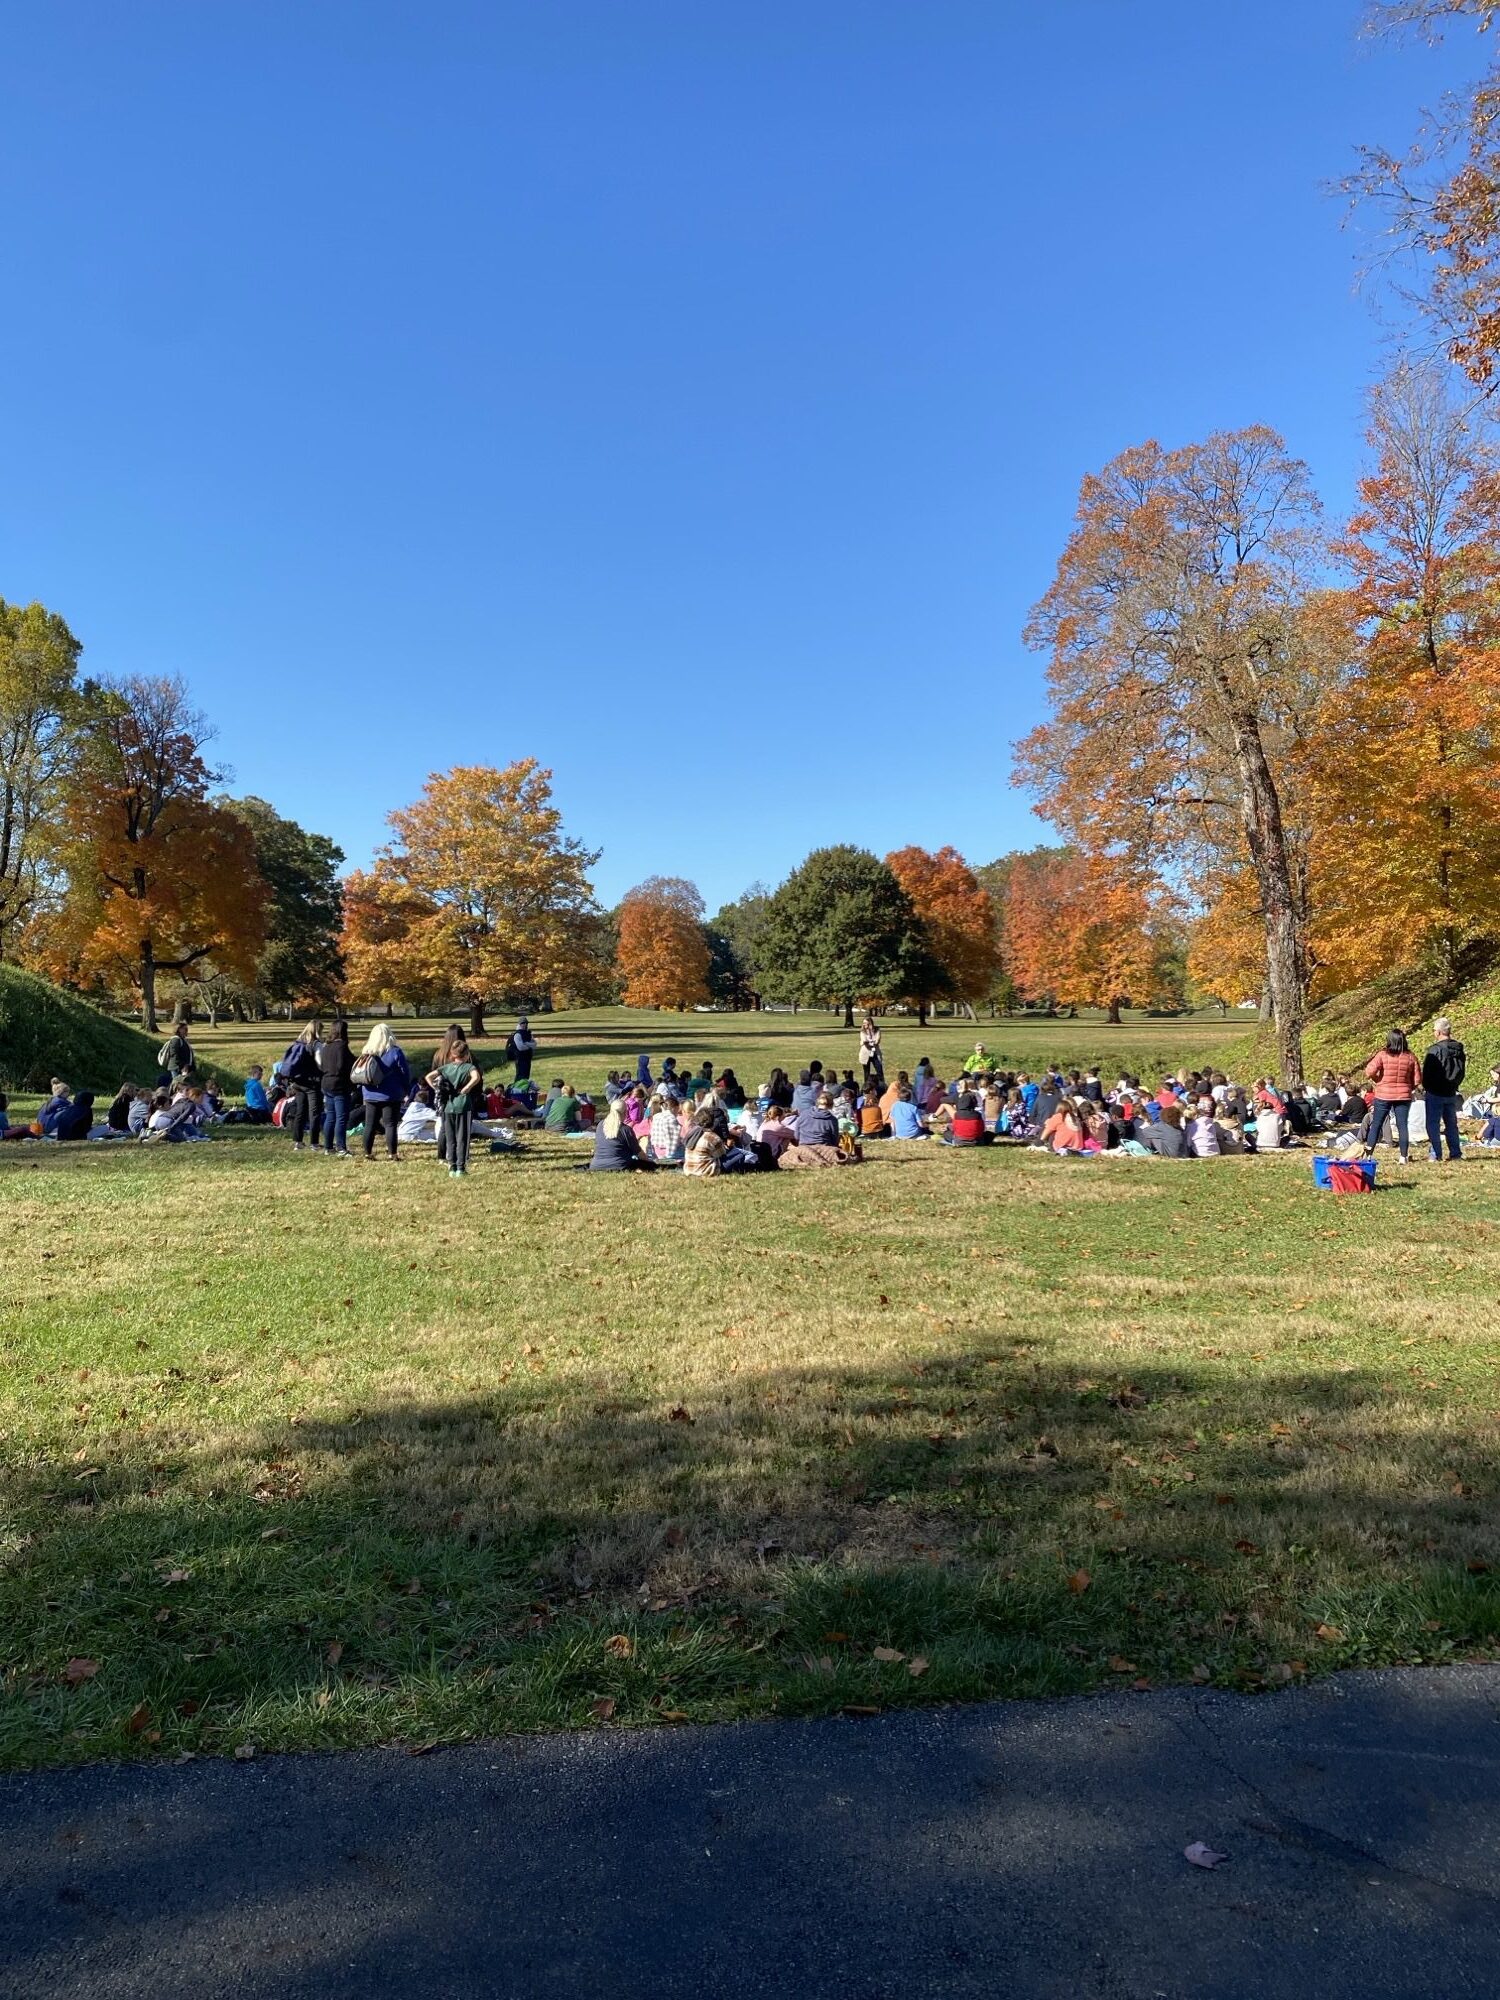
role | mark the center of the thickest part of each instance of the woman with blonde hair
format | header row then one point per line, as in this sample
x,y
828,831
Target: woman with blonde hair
x,y
384,1080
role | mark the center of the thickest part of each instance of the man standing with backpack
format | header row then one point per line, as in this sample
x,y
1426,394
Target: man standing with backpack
x,y
1443,1069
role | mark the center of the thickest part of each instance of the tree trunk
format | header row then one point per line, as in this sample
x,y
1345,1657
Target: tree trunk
x,y
148,988
1282,893
476,1019
921,1016
848,1013
1114,1014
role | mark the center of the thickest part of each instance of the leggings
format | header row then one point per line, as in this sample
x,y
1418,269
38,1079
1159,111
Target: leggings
x,y
376,1115
455,1131
309,1098
1401,1113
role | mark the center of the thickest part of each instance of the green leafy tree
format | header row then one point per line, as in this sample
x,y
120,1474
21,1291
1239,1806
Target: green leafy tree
x,y
736,949
840,929
300,963
40,705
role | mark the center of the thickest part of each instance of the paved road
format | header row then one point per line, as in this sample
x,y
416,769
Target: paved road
x,y
1030,1849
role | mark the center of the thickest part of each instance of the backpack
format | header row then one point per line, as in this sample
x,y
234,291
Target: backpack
x,y
299,1064
509,1054
367,1072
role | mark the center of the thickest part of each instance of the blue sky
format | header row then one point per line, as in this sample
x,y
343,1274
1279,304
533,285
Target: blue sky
x,y
691,396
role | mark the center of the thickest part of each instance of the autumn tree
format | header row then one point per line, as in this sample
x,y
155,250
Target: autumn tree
x,y
499,902
1183,681
1078,931
379,915
1408,737
1439,202
40,710
160,878
662,957
841,928
959,914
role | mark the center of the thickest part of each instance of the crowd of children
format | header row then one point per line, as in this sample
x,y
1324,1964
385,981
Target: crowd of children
x,y
708,1124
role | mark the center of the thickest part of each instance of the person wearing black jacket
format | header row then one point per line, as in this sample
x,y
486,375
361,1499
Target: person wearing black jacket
x,y
1443,1069
299,1068
334,1064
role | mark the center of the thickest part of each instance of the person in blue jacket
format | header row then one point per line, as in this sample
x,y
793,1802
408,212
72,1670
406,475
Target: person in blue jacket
x,y
384,1078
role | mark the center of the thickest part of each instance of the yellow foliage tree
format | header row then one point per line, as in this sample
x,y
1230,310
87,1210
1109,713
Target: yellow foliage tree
x,y
494,900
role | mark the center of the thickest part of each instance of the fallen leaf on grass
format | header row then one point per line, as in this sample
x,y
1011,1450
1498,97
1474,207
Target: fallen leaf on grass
x,y
887,1653
421,1749
333,1652
138,1718
177,1576
243,1752
1202,1856
1079,1582
1118,1664
90,1472
673,1714
79,1669
275,1534
1329,1634
1247,1548
620,1647
858,1708
917,1667
678,1415
602,1711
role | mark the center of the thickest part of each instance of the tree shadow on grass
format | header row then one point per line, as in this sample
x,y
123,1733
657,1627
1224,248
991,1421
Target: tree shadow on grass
x,y
451,1565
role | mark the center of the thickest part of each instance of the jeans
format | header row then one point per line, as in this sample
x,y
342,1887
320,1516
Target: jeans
x,y
376,1115
1378,1115
309,1098
455,1130
1442,1122
336,1122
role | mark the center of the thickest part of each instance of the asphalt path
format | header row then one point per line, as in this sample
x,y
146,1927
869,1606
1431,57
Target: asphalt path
x,y
1025,1849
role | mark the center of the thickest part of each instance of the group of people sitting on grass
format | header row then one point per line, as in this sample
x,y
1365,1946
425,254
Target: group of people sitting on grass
x,y
706,1123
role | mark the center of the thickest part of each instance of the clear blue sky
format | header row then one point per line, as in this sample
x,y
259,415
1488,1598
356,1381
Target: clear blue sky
x,y
692,394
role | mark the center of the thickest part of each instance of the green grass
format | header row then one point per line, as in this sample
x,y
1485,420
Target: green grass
x,y
301,1454
587,1043
46,1031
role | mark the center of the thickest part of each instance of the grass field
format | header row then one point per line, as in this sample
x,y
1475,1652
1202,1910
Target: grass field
x,y
585,1045
298,1454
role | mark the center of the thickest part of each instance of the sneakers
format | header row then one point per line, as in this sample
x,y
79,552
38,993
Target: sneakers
x,y
298,1147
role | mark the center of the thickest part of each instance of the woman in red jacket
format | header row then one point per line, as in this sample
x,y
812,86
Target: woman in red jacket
x,y
1395,1073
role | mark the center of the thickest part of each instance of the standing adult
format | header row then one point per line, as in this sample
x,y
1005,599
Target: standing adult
x,y
176,1055
871,1060
1443,1069
334,1065
521,1048
384,1080
299,1066
1396,1074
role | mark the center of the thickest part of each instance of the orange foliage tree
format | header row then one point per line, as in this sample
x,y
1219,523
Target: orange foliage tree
x,y
378,967
1183,682
160,878
1406,782
490,900
1077,931
963,931
662,957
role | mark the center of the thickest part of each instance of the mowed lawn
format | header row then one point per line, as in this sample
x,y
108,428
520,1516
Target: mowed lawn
x,y
298,1454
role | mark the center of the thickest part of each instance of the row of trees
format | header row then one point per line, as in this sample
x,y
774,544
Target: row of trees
x,y
918,928
127,871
